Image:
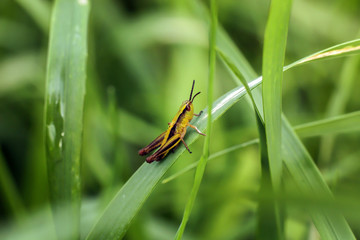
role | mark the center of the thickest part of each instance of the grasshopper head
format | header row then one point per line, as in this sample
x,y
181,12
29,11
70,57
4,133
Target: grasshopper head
x,y
187,106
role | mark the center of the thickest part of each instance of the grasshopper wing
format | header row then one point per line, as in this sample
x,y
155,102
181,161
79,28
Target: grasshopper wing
x,y
153,145
164,149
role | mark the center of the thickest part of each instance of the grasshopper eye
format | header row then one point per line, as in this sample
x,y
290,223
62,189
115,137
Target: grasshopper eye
x,y
188,108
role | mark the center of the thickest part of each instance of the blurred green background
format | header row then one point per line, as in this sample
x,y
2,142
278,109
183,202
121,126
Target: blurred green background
x,y
142,58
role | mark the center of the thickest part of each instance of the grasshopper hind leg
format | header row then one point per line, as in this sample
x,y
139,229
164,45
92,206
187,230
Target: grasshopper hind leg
x,y
164,149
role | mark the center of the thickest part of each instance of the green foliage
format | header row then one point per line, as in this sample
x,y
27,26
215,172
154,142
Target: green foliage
x,y
64,104
200,169
142,58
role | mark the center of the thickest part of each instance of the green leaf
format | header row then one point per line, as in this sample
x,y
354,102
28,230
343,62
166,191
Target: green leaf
x,y
340,50
204,158
345,123
10,195
273,60
331,225
211,157
323,221
39,11
338,101
329,221
272,68
268,227
64,100
117,217
339,124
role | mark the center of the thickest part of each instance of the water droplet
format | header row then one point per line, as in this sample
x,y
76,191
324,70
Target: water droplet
x,y
60,143
51,132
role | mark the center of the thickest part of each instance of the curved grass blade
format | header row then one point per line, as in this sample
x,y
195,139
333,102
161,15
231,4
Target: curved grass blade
x,y
273,60
118,215
39,11
204,158
336,125
340,50
338,101
268,226
340,124
211,157
331,225
329,221
65,90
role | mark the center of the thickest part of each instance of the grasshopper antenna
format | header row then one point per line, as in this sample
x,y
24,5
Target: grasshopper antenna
x,y
195,96
192,88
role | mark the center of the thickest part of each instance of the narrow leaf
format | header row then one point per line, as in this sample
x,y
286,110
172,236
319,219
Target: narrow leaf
x,y
339,124
325,223
340,50
336,125
10,195
65,89
329,221
204,158
273,60
267,224
118,215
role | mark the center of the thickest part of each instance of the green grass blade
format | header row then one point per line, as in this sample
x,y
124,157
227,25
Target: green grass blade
x,y
268,226
339,124
340,50
9,192
329,221
118,215
272,68
225,44
232,67
211,157
345,123
273,60
65,90
325,223
337,102
39,11
267,223
204,158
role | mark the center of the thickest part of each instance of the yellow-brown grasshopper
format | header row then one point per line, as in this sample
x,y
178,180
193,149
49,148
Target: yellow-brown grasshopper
x,y
175,133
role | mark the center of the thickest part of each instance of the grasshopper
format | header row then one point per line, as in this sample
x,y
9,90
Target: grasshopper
x,y
175,133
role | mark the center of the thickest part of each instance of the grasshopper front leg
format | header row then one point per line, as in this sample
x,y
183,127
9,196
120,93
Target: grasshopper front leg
x,y
198,114
192,126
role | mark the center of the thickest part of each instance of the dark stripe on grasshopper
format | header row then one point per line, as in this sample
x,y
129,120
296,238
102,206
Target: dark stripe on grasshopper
x,y
153,145
161,153
181,116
